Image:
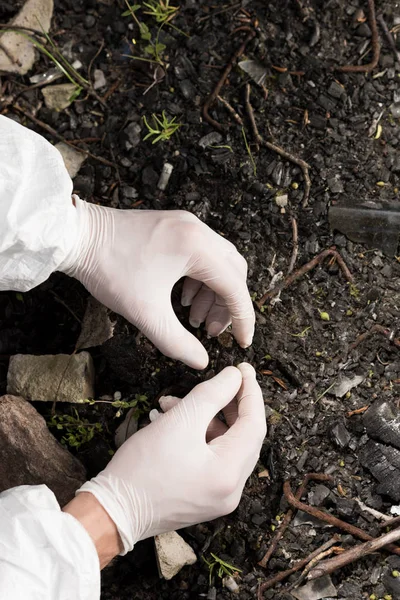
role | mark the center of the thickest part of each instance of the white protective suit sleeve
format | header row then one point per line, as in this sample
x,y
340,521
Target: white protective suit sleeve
x,y
45,554
35,235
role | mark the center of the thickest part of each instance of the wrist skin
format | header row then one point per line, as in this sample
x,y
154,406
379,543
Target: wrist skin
x,y
99,525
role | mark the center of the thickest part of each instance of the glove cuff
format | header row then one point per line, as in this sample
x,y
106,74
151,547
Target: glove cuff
x,y
110,495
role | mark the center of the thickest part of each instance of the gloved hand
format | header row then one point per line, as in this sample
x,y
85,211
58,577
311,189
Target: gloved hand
x,y
130,261
167,476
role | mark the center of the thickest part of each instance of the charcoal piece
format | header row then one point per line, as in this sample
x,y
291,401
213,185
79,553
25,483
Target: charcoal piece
x,y
384,464
382,422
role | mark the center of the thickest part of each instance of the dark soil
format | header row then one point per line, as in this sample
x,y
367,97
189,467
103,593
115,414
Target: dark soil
x,y
321,116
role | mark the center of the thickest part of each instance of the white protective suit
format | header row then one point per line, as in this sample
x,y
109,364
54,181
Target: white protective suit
x,y
45,554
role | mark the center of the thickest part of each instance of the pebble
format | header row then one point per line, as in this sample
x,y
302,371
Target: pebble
x,y
336,90
335,185
89,22
211,139
99,79
187,88
133,133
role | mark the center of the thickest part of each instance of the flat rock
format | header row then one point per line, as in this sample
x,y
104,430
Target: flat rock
x,y
30,455
172,553
382,422
316,590
48,378
73,159
57,97
384,464
21,52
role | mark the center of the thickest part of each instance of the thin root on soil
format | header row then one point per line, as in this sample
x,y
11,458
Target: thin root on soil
x,y
305,269
376,47
346,558
330,519
216,92
288,517
305,167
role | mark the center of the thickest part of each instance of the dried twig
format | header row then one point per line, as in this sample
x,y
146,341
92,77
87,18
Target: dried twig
x,y
295,242
375,513
376,47
389,37
357,411
376,329
296,567
313,563
328,518
287,155
215,93
57,135
232,111
288,517
305,269
390,522
331,565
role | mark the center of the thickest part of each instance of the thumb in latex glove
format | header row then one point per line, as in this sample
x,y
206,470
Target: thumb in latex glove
x,y
130,260
166,476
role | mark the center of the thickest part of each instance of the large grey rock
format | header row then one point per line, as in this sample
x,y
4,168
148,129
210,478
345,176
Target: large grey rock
x,y
30,455
73,159
20,52
172,553
57,97
60,377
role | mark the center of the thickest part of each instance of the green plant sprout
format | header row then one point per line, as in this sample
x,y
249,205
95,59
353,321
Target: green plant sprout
x,y
160,10
77,431
163,129
223,568
58,59
302,334
140,402
153,49
246,143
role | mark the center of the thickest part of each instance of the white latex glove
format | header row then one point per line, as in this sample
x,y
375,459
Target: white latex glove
x,y
130,261
166,476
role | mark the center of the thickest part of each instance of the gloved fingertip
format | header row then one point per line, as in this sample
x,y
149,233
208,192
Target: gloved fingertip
x,y
215,328
246,369
246,343
154,414
194,323
198,359
186,300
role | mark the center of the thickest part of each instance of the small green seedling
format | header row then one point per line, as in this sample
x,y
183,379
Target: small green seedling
x,y
246,143
140,403
163,128
160,10
76,431
223,568
302,334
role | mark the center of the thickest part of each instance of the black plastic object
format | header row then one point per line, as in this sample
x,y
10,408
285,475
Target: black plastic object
x,y
375,227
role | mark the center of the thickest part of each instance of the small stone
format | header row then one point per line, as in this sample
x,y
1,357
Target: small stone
x,y
335,185
231,585
128,427
133,133
58,97
18,47
336,90
187,88
172,553
89,21
316,590
99,79
59,377
318,495
395,110
281,200
211,139
30,454
340,435
73,159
